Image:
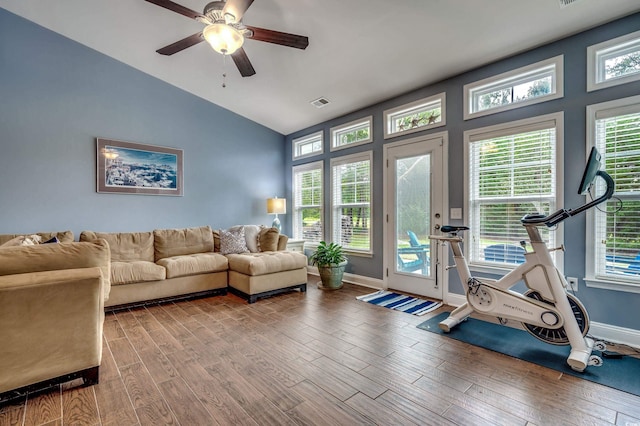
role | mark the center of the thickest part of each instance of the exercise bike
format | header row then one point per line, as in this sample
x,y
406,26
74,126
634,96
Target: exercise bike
x,y
545,310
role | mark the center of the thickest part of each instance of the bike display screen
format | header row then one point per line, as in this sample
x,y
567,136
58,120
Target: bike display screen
x,y
590,171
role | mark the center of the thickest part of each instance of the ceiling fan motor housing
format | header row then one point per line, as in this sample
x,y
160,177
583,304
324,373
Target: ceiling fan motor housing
x,y
213,11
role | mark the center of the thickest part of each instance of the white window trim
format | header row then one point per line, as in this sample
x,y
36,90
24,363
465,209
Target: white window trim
x,y
594,67
512,77
345,159
306,138
304,168
515,127
590,279
387,114
335,132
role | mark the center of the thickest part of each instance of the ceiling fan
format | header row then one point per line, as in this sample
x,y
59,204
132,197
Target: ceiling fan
x,y
225,31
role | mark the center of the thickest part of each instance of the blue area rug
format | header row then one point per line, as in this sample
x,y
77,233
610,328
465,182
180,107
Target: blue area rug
x,y
618,373
400,302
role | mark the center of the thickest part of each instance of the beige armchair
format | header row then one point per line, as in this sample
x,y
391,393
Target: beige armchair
x,y
51,314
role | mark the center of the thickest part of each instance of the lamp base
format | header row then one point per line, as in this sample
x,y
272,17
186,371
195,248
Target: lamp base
x,y
276,224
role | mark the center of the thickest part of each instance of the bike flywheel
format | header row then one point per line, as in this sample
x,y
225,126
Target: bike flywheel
x,y
558,336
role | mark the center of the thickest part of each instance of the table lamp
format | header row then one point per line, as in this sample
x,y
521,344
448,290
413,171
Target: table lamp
x,y
276,206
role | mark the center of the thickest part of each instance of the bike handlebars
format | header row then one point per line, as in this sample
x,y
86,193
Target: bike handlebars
x,y
562,214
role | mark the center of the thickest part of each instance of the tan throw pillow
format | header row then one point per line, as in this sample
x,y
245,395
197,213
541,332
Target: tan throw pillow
x,y
15,241
232,241
268,238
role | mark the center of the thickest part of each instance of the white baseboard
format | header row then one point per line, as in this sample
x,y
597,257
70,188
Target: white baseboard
x,y
353,279
615,334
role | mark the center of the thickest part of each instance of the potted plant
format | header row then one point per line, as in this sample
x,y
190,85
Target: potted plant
x,y
331,262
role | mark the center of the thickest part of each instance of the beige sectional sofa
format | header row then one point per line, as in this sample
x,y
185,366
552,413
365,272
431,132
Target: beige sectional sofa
x,y
51,314
169,263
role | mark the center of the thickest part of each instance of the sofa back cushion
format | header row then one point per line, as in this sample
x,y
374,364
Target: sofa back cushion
x,y
178,242
63,237
125,246
54,257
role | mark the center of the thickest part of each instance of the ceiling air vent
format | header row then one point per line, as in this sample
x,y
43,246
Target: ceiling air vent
x,y
320,102
565,3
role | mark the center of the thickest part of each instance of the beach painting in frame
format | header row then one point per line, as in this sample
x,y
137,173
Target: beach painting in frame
x,y
133,168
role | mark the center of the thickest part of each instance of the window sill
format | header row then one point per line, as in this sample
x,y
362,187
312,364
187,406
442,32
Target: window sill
x,y
612,285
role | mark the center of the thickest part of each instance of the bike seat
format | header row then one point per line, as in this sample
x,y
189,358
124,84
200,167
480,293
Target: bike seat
x,y
452,228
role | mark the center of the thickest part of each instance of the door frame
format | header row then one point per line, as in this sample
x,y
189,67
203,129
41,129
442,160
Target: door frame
x,y
443,252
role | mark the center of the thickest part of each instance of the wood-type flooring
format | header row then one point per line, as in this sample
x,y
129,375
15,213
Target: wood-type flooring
x,y
320,358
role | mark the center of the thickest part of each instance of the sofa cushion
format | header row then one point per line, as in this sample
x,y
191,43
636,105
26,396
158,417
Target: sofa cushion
x,y
266,262
125,246
268,238
233,241
192,264
54,257
136,271
178,242
251,233
63,237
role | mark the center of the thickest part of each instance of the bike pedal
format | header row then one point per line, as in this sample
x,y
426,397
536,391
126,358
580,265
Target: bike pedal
x,y
612,355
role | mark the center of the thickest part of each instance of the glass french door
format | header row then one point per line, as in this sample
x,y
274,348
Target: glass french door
x,y
414,203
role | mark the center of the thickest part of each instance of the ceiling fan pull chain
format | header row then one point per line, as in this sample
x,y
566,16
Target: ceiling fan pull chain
x,y
224,71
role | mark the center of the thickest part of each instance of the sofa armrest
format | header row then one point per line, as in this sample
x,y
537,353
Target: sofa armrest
x,y
50,325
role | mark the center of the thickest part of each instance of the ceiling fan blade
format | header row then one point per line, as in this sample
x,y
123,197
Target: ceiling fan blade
x,y
180,45
242,62
237,8
175,7
276,37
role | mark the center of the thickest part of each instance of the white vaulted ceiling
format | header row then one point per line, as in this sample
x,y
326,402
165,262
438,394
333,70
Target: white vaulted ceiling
x,y
360,51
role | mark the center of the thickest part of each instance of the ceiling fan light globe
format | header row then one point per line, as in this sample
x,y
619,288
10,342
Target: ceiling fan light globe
x,y
223,38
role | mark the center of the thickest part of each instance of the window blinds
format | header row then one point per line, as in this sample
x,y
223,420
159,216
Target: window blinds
x,y
351,202
617,230
307,202
512,172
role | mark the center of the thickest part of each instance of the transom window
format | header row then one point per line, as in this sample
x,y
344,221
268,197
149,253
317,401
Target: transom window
x,y
532,84
615,225
512,171
351,134
351,201
307,146
308,202
614,62
415,116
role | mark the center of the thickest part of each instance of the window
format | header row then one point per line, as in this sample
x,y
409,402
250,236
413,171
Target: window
x,y
613,62
307,146
351,201
529,85
307,202
351,134
614,235
416,116
511,171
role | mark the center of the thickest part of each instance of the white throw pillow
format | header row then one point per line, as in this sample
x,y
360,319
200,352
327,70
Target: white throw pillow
x,y
251,237
233,241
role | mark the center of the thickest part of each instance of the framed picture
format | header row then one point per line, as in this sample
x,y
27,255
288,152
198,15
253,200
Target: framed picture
x,y
133,168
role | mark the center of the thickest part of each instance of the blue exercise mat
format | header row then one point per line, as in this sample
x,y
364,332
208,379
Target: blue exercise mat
x,y
618,373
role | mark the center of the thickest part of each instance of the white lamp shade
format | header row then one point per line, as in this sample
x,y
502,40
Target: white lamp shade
x,y
276,205
223,38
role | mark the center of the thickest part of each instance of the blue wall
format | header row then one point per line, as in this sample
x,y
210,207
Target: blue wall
x,y
57,96
605,306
